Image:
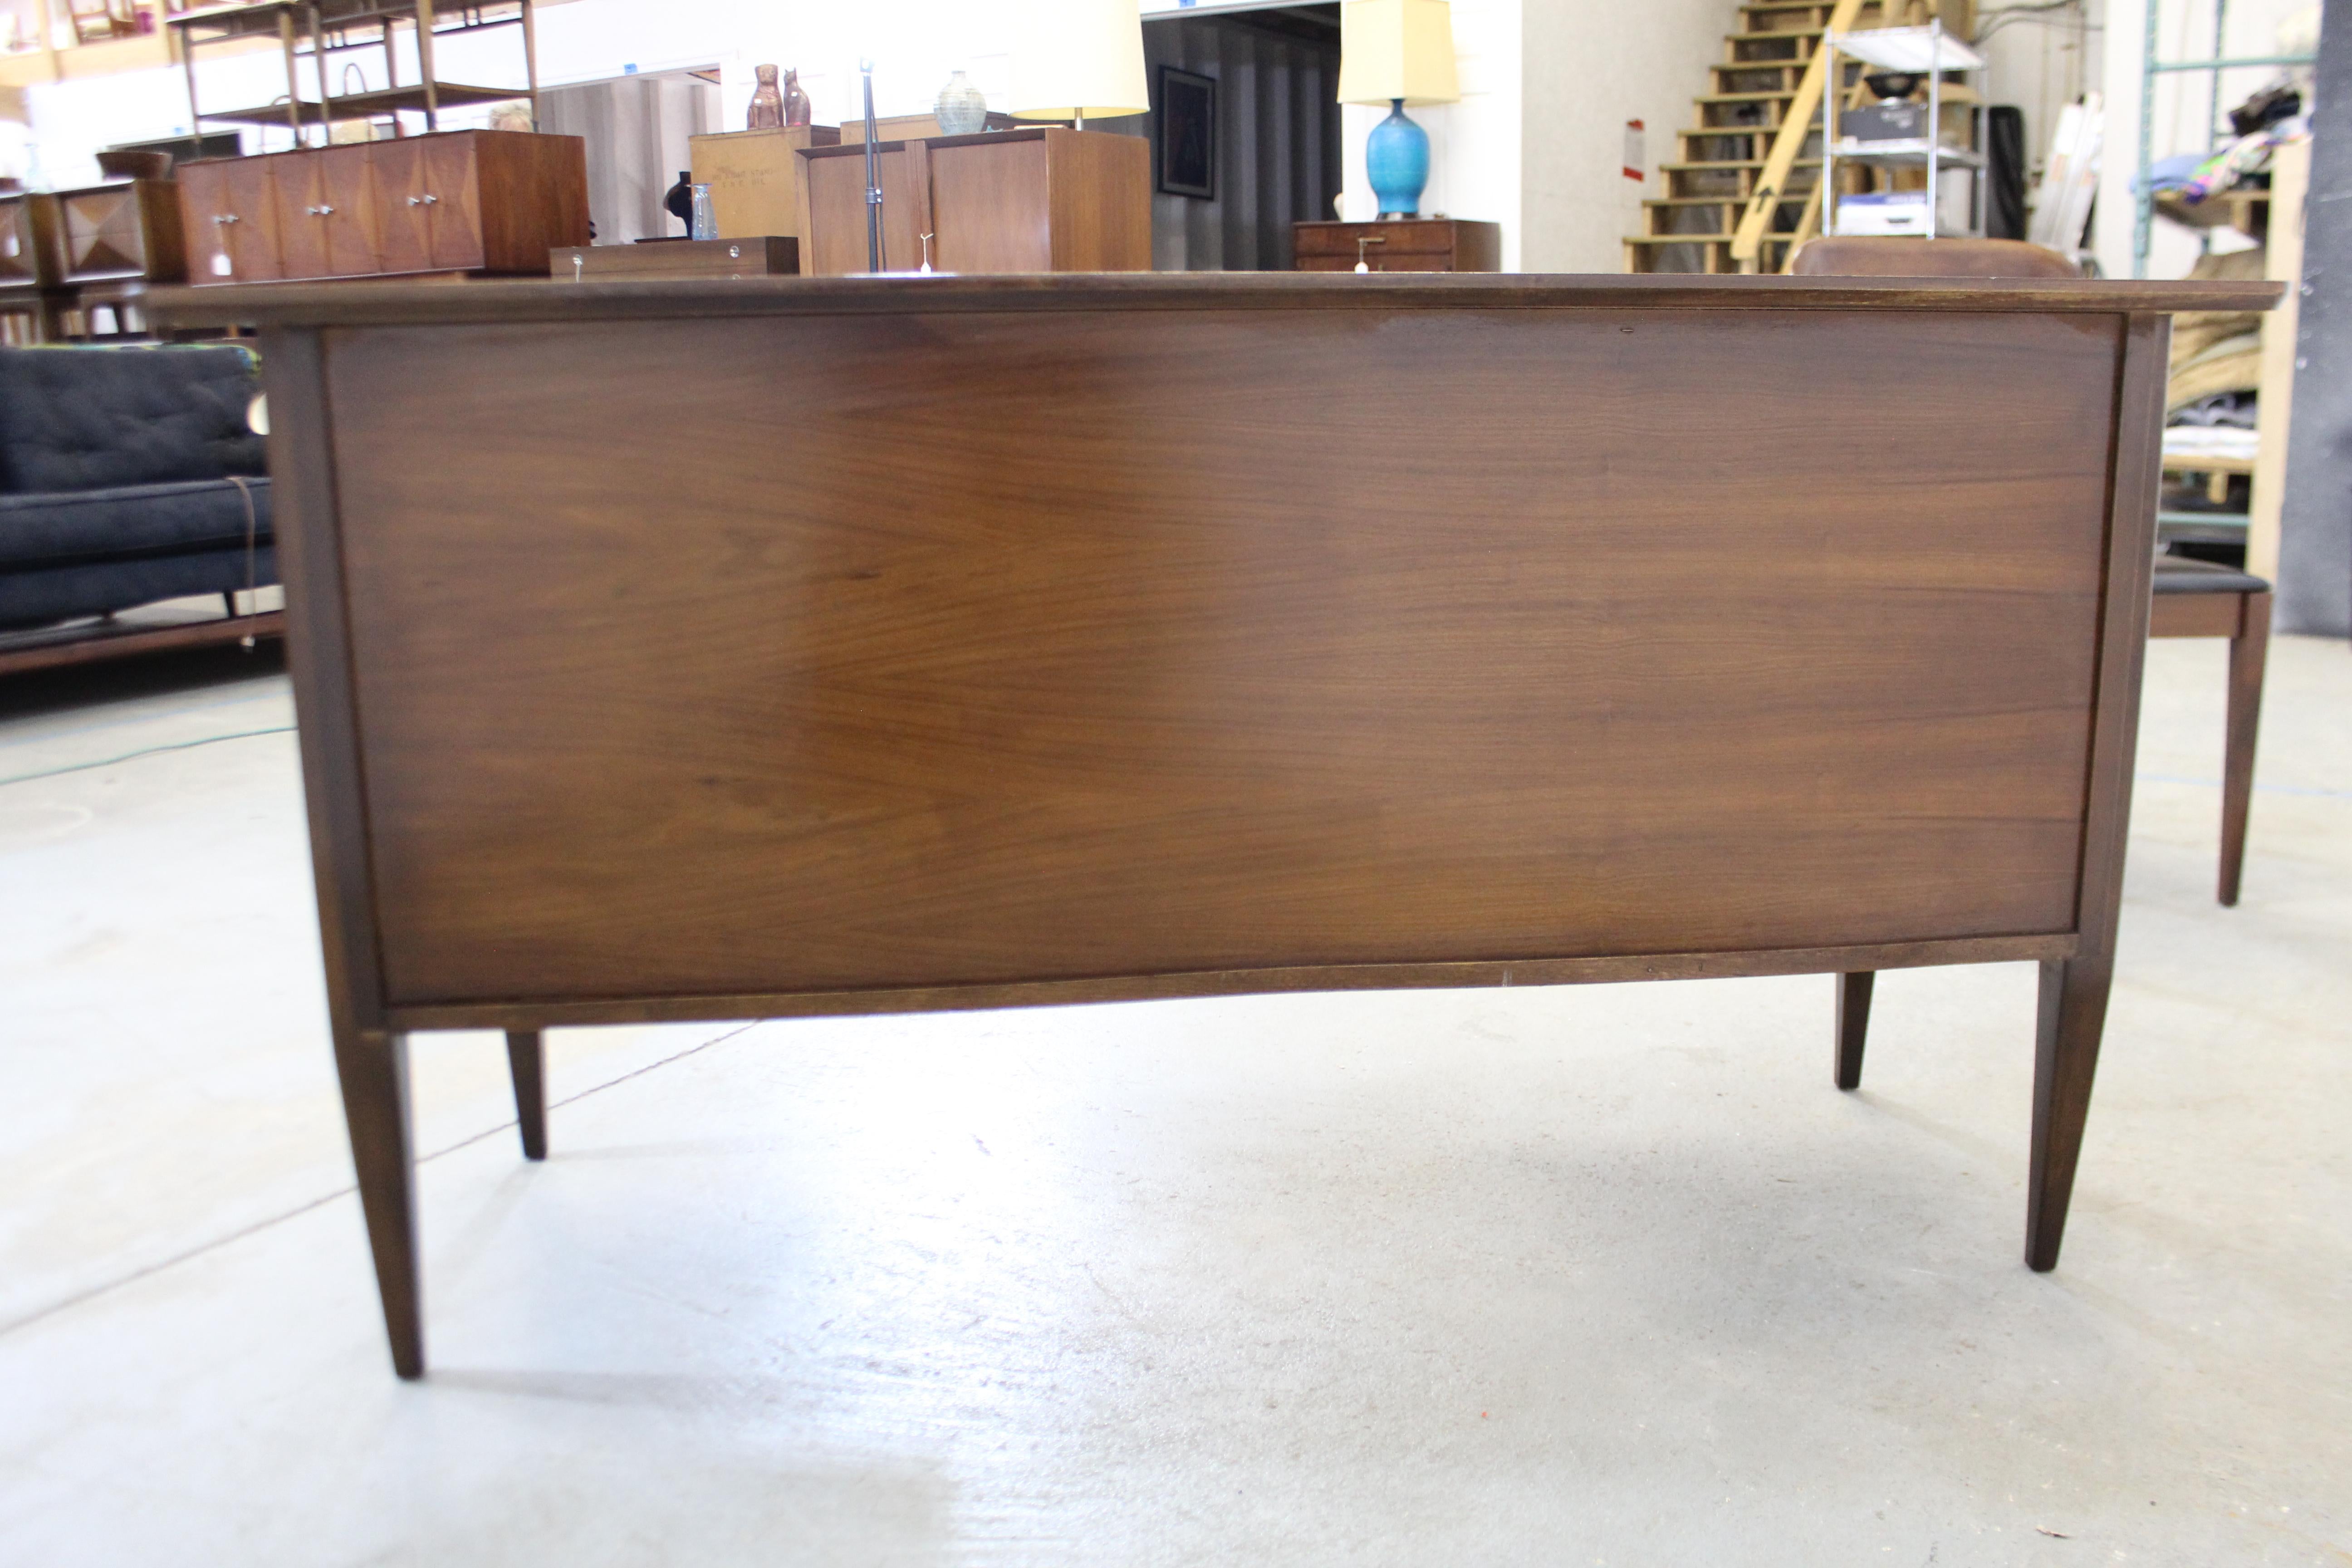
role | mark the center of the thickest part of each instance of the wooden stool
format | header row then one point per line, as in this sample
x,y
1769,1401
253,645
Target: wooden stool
x,y
2199,599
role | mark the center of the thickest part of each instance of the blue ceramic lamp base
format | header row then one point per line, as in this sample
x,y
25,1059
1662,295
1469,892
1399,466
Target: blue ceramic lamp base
x,y
1396,161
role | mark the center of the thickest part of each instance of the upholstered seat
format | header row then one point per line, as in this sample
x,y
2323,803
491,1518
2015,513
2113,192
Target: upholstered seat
x,y
125,478
2179,574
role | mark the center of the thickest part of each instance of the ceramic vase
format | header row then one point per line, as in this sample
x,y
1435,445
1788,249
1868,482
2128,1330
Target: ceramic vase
x,y
767,112
679,201
962,108
1396,159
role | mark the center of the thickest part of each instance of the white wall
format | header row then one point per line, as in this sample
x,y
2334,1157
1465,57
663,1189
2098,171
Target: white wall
x,y
1589,67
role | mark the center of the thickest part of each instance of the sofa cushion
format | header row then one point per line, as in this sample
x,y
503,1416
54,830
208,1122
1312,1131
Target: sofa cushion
x,y
70,527
97,419
38,595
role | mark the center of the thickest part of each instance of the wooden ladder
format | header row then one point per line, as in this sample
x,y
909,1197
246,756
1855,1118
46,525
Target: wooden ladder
x,y
1741,196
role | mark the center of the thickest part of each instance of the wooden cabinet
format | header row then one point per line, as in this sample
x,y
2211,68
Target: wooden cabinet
x,y
123,230
329,222
1399,245
28,257
1039,200
228,211
467,201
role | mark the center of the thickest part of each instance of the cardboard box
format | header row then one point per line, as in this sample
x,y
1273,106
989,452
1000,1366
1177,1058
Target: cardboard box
x,y
754,179
1892,213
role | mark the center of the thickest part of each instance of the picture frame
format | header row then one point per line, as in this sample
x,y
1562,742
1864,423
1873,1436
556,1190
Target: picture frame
x,y
1188,134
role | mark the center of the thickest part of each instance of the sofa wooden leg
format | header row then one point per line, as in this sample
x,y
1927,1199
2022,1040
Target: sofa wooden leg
x,y
2249,651
374,1068
1853,1026
2066,1057
526,1059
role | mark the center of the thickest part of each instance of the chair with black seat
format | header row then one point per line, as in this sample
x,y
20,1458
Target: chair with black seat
x,y
2193,598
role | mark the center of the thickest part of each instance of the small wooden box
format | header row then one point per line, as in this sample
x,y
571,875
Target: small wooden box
x,y
754,178
760,258
1399,245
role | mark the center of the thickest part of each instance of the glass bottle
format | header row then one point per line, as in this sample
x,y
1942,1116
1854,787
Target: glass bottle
x,y
706,218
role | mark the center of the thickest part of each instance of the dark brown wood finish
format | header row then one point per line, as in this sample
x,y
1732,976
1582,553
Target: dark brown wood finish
x,y
371,1061
94,648
2249,651
527,1063
1397,245
1852,1026
509,303
2074,1008
772,255
1089,637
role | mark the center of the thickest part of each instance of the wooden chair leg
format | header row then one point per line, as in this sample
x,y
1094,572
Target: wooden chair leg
x,y
1852,1026
526,1059
2066,1058
374,1068
2249,651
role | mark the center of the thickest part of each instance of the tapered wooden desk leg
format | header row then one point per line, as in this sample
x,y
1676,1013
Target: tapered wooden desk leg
x,y
526,1058
2066,1057
374,1067
2249,651
1852,1026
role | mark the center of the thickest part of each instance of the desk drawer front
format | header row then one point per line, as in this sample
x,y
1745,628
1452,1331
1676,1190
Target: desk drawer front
x,y
967,648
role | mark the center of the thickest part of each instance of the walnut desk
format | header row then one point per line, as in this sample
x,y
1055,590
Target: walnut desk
x,y
720,649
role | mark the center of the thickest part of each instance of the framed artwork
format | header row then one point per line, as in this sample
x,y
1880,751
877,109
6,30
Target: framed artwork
x,y
1188,134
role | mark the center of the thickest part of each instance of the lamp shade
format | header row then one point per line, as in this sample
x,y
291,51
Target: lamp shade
x,y
1079,59
1397,48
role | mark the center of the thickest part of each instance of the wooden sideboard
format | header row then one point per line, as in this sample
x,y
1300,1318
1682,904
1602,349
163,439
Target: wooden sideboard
x,y
1397,245
462,201
1043,199
1072,639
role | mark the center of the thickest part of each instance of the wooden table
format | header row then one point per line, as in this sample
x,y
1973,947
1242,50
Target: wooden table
x,y
672,650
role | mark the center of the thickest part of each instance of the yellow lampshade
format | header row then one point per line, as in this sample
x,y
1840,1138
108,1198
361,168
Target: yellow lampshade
x,y
1079,59
1397,48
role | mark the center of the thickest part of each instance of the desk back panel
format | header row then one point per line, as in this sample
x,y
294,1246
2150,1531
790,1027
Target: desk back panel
x,y
802,653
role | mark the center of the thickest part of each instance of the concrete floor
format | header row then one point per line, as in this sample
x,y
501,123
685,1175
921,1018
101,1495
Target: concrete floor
x,y
1608,1275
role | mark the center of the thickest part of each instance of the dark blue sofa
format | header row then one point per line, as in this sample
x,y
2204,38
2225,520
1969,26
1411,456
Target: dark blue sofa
x,y
119,472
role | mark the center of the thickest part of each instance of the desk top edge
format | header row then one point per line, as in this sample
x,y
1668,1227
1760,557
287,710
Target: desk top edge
x,y
375,304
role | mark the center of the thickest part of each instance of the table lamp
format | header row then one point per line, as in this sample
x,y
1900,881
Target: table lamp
x,y
1080,58
1397,52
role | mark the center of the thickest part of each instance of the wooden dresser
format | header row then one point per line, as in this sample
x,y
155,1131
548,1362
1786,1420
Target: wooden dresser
x,y
1094,638
1399,245
464,201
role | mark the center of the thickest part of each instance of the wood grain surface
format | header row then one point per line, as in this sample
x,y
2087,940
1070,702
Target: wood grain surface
x,y
974,649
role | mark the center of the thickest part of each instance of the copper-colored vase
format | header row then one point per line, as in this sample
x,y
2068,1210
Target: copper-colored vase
x,y
767,103
796,102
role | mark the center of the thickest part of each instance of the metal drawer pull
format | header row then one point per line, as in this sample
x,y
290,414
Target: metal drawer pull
x,y
321,212
422,201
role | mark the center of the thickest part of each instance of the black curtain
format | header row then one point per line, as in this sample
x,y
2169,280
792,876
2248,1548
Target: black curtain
x,y
1277,134
2005,171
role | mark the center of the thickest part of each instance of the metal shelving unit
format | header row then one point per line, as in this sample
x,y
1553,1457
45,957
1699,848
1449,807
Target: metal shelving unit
x,y
1927,52
321,28
2146,206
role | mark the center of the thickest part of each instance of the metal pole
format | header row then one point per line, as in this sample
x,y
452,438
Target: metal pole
x,y
2213,117
1833,93
2143,199
874,252
1935,116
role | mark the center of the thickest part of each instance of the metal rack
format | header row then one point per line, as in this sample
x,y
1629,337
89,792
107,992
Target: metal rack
x,y
1926,51
2144,215
322,27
